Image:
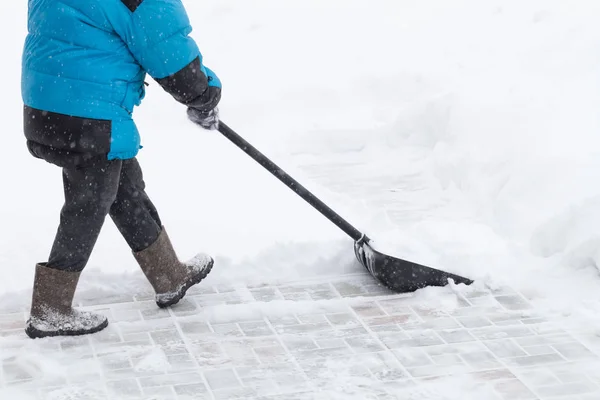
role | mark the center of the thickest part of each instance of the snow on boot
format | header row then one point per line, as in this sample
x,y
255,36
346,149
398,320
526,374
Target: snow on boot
x,y
51,307
169,277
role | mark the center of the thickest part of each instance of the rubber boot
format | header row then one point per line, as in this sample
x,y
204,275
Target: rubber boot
x,y
170,277
51,307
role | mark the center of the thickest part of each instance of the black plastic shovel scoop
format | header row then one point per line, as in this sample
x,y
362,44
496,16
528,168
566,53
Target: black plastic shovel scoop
x,y
398,275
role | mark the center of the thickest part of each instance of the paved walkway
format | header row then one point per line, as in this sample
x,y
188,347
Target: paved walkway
x,y
347,338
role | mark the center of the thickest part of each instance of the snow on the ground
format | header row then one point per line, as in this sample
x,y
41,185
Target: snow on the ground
x,y
489,110
460,134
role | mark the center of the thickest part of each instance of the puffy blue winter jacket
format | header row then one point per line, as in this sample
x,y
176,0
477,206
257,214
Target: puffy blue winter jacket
x,y
83,71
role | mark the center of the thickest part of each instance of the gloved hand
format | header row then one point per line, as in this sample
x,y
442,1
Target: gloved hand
x,y
206,119
203,110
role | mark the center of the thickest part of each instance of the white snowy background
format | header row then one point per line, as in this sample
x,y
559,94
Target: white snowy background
x,y
476,121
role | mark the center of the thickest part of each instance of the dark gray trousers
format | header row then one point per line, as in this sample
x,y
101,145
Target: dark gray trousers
x,y
101,188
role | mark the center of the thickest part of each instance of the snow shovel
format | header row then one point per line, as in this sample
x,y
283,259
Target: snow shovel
x,y
398,275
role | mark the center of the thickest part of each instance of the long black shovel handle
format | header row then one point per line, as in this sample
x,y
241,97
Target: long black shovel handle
x,y
291,183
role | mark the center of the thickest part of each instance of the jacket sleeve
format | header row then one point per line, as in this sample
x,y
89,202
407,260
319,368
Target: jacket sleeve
x,y
158,37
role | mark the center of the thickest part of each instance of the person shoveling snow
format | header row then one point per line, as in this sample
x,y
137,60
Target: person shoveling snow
x,y
83,71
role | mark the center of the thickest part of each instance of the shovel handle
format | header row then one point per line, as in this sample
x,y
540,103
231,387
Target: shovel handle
x,y
292,183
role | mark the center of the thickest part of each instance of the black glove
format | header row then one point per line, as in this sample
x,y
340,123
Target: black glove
x,y
206,119
203,109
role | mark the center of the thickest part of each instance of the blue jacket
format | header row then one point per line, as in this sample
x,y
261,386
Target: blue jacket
x,y
83,70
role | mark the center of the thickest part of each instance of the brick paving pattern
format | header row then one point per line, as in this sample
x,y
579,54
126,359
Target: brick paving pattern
x,y
336,339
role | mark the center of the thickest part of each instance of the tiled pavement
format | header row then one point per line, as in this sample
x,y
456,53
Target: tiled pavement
x,y
346,338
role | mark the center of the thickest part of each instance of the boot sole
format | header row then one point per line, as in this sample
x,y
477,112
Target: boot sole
x,y
35,333
196,280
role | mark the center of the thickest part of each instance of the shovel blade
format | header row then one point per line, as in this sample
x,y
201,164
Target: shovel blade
x,y
399,275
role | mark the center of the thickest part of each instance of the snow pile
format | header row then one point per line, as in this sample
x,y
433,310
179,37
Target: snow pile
x,y
489,117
